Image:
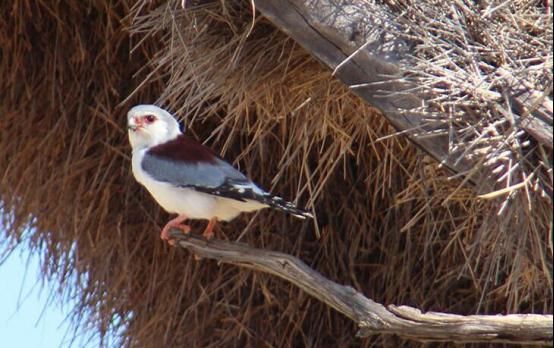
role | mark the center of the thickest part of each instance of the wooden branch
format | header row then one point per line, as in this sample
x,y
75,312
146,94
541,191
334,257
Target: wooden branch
x,y
354,40
372,317
533,110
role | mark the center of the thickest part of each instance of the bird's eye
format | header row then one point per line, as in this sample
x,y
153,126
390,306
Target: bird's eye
x,y
149,118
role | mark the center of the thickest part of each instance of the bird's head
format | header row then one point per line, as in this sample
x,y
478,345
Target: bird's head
x,y
150,125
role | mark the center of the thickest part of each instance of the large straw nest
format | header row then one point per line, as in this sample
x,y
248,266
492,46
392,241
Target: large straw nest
x,y
389,222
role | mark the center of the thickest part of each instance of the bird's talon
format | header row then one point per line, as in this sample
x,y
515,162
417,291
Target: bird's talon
x,y
184,228
170,239
209,231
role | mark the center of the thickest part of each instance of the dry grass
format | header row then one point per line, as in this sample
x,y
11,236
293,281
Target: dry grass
x,y
391,223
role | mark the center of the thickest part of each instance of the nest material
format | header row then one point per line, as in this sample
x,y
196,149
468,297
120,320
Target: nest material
x,y
472,60
390,222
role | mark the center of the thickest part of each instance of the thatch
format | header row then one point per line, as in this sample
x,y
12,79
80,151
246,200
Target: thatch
x,y
390,222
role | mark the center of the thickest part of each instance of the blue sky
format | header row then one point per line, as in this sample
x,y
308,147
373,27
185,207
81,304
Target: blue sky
x,y
28,317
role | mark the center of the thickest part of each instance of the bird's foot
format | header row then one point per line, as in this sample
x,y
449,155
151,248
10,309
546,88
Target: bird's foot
x,y
174,223
209,231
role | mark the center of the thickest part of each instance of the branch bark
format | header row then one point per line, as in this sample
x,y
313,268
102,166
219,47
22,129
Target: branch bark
x,y
370,316
333,31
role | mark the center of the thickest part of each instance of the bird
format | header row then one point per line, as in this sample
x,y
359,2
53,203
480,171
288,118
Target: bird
x,y
189,179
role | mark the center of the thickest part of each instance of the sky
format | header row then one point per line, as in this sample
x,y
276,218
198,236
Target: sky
x,y
28,319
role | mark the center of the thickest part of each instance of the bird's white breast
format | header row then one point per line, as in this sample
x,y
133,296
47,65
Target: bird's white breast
x,y
187,201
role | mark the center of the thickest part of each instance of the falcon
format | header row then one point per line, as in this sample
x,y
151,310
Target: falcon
x,y
187,178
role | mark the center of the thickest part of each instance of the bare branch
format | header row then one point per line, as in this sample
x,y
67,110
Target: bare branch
x,y
533,109
372,317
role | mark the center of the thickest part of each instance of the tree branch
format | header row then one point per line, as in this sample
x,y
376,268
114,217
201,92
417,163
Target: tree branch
x,y
372,317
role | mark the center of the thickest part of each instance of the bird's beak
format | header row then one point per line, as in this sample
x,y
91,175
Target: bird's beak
x,y
133,125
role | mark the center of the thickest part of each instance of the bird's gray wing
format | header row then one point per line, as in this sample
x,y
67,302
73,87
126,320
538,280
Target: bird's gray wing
x,y
205,172
183,162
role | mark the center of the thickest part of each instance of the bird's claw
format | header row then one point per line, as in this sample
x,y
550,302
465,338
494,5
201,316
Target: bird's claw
x,y
167,237
208,235
209,231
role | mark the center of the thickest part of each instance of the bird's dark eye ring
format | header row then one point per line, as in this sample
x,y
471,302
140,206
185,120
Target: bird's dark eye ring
x,y
149,118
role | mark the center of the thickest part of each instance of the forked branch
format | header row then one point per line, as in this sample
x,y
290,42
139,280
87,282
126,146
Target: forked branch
x,y
372,317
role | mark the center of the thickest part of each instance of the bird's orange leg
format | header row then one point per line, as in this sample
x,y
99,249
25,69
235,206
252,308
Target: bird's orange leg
x,y
209,231
174,223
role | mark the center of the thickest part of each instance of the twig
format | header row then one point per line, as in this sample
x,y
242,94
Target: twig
x,y
372,317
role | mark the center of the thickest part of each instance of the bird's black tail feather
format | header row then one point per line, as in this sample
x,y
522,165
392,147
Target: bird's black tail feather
x,y
288,207
247,190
